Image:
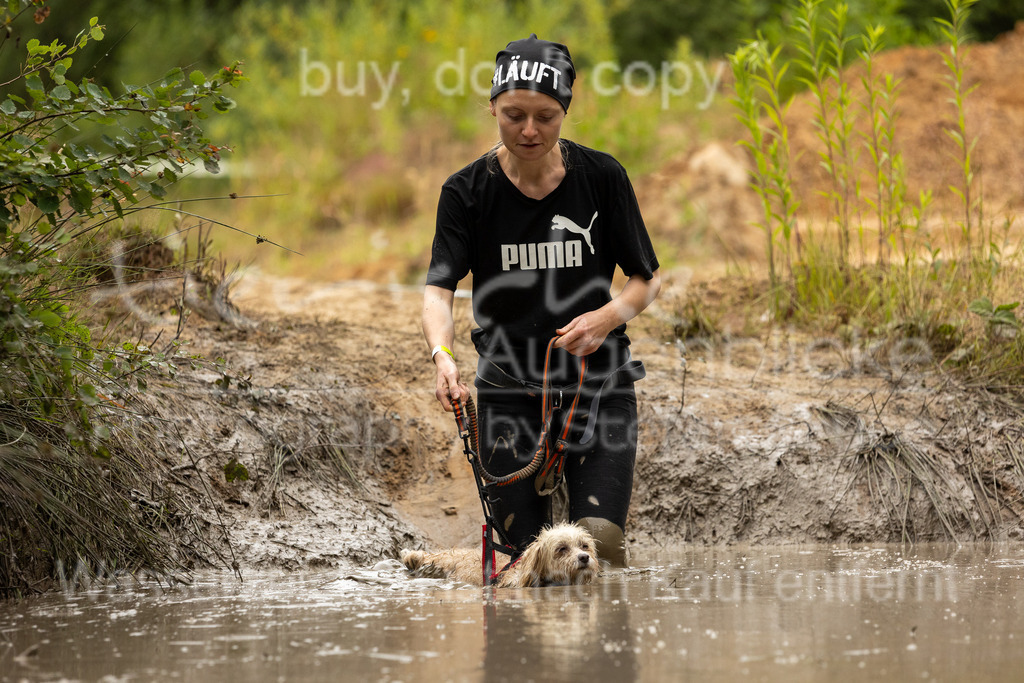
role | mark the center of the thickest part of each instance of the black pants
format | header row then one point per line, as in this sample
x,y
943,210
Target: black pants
x,y
598,474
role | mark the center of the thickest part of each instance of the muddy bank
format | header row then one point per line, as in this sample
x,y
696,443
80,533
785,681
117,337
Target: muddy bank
x,y
325,399
810,441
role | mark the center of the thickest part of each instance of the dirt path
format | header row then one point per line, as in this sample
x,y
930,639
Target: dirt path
x,y
329,406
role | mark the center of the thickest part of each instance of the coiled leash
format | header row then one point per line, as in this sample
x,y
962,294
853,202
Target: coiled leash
x,y
548,460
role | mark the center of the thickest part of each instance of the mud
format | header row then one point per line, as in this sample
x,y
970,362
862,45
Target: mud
x,y
325,396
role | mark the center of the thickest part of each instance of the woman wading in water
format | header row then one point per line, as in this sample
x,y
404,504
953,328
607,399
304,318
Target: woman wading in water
x,y
542,223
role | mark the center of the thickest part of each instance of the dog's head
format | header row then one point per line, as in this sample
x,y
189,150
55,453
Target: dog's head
x,y
563,554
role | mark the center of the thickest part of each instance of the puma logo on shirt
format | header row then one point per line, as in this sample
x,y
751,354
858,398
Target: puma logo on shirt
x,y
538,256
542,255
563,223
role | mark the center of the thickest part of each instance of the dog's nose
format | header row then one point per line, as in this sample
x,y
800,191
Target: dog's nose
x,y
584,559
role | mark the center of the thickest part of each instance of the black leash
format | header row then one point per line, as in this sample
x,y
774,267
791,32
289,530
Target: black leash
x,y
466,419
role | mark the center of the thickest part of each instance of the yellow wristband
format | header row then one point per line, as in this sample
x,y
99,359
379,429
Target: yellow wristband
x,y
441,347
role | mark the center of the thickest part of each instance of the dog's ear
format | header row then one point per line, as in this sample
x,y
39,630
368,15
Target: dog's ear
x,y
531,567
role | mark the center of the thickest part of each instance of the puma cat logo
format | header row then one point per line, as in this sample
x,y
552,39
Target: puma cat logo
x,y
563,223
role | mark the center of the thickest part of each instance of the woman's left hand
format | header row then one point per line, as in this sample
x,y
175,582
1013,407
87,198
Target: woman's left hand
x,y
583,335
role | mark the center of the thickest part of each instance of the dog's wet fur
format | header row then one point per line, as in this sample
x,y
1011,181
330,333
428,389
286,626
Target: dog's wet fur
x,y
563,554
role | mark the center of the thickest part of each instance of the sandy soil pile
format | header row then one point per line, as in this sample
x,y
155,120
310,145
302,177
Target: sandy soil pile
x,y
995,117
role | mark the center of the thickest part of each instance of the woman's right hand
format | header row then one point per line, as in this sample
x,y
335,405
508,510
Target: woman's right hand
x,y
449,386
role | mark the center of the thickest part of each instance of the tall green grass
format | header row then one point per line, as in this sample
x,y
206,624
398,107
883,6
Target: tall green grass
x,y
939,284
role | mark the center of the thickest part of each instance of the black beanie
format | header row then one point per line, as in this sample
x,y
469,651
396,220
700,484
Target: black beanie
x,y
534,64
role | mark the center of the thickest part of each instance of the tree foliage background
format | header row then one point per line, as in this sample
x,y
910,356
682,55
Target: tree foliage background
x,y
184,32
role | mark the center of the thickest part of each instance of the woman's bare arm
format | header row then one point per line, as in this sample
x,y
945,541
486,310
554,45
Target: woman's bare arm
x,y
439,329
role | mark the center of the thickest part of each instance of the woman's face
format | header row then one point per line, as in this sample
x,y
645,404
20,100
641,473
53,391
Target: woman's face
x,y
529,122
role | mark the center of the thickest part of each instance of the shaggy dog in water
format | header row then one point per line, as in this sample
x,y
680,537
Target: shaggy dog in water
x,y
563,554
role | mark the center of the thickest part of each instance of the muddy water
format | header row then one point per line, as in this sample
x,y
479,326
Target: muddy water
x,y
775,614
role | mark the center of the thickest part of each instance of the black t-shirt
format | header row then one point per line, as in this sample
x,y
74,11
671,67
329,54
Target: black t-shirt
x,y
538,263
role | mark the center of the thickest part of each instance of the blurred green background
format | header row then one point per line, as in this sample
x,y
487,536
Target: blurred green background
x,y
357,110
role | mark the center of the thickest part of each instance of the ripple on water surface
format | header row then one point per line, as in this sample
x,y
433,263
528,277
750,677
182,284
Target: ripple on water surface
x,y
766,613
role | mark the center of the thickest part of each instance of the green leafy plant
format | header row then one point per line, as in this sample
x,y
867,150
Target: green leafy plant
x,y
758,75
822,45
887,179
1000,316
56,190
235,471
953,31
77,158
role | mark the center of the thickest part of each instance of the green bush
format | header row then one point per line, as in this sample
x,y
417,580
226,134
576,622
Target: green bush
x,y
78,158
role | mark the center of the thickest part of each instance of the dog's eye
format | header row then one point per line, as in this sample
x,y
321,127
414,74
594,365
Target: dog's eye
x,y
585,546
562,550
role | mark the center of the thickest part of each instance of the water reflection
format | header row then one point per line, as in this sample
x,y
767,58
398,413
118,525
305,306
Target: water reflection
x,y
777,614
554,633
